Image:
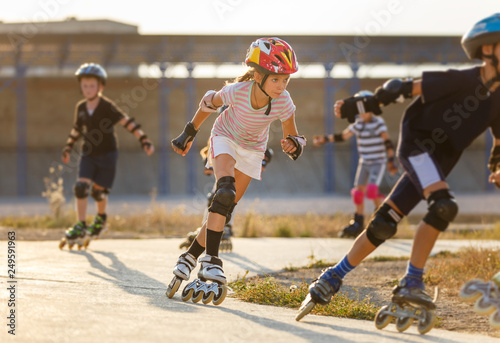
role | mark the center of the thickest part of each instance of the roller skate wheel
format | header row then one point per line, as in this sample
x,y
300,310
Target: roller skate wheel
x,y
207,297
70,245
427,323
219,298
469,291
197,296
173,287
62,243
482,306
86,243
382,318
305,308
495,320
187,294
403,323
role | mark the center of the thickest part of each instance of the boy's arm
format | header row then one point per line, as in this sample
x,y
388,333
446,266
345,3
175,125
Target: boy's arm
x,y
389,148
74,135
336,137
130,125
494,163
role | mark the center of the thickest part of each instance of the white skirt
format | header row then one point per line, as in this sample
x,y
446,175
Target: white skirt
x,y
248,162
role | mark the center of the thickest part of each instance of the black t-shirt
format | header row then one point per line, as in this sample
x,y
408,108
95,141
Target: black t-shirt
x,y
97,128
453,110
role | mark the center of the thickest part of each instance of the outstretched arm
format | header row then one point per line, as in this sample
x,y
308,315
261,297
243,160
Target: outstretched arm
x,y
494,163
336,137
134,128
210,102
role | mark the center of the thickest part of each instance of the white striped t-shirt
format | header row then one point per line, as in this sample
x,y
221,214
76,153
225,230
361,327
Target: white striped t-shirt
x,y
245,125
371,146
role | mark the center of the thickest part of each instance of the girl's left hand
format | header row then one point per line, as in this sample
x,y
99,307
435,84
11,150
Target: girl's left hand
x,y
149,149
288,146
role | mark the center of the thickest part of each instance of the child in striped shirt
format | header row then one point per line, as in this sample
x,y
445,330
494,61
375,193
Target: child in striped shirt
x,y
237,145
375,151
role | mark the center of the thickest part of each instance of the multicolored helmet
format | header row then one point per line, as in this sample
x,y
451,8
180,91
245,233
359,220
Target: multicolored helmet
x,y
484,32
92,69
272,55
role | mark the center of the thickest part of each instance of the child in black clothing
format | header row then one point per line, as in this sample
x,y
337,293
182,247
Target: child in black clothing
x,y
95,117
451,109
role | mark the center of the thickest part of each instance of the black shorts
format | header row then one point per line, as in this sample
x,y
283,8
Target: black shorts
x,y
100,169
419,165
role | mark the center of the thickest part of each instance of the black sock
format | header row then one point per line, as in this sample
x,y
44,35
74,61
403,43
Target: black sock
x,y
213,242
196,249
104,216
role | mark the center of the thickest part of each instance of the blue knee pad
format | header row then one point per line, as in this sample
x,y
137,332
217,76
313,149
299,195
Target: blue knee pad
x,y
442,209
225,194
383,225
81,189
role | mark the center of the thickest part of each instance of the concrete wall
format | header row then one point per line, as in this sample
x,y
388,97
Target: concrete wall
x,y
50,111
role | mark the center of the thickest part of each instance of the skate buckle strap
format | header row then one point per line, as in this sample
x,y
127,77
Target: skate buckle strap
x,y
190,259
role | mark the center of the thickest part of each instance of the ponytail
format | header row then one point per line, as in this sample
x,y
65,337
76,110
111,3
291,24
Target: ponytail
x,y
248,76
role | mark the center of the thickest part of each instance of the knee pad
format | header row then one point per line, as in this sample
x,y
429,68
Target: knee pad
x,y
357,196
81,189
210,198
371,191
225,194
98,194
383,225
442,209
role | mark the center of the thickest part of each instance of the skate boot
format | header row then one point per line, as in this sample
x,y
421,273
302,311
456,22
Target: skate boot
x,y
226,245
95,230
355,227
182,271
74,235
210,285
409,302
486,296
190,238
321,292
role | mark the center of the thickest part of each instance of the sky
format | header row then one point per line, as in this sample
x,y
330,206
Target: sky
x,y
267,17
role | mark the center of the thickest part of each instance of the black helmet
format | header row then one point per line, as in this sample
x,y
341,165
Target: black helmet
x,y
92,69
484,32
268,156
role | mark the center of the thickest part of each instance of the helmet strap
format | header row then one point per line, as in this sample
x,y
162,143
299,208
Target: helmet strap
x,y
494,62
261,86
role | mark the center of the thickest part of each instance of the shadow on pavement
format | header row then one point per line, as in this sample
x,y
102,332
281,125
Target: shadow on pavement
x,y
245,263
133,281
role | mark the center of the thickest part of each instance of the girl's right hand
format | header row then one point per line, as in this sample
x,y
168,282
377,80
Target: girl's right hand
x,y
336,108
183,152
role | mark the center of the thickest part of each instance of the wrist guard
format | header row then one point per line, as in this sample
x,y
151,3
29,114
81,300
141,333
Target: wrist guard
x,y
394,90
145,142
338,137
494,162
388,144
299,142
181,141
206,104
360,104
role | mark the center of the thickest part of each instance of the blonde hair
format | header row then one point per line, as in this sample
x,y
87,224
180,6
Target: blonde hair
x,y
248,76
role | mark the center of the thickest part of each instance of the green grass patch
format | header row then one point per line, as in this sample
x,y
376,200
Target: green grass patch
x,y
267,291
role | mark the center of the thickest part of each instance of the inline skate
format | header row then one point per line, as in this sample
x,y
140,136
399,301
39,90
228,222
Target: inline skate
x,y
182,272
210,284
355,227
95,230
321,292
486,296
226,245
73,235
409,302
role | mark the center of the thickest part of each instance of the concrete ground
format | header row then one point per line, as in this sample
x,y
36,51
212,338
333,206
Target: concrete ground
x,y
115,292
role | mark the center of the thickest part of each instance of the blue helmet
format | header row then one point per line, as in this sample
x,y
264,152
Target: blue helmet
x,y
484,32
92,69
